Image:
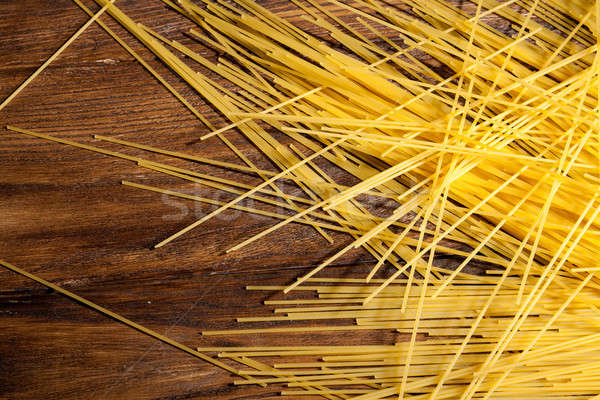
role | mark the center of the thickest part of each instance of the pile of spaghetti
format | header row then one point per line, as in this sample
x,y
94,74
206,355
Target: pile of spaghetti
x,y
477,126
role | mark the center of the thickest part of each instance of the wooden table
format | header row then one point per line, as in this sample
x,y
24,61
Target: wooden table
x,y
65,216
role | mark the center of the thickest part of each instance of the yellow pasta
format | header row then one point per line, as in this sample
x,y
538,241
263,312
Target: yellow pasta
x,y
481,141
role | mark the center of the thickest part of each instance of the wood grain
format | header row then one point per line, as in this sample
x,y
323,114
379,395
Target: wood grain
x,y
65,216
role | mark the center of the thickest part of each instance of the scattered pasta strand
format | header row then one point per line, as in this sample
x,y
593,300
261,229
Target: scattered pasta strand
x,y
119,318
56,54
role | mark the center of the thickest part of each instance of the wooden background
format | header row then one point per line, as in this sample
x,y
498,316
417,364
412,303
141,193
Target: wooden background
x,y
65,216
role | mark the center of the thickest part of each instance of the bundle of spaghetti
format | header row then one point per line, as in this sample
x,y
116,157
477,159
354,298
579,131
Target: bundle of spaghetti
x,y
508,135
476,125
554,354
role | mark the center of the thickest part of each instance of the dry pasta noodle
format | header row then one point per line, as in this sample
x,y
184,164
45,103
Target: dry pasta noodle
x,y
476,126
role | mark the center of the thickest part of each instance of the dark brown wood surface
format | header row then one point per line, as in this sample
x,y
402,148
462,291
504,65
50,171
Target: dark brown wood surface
x,y
65,216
